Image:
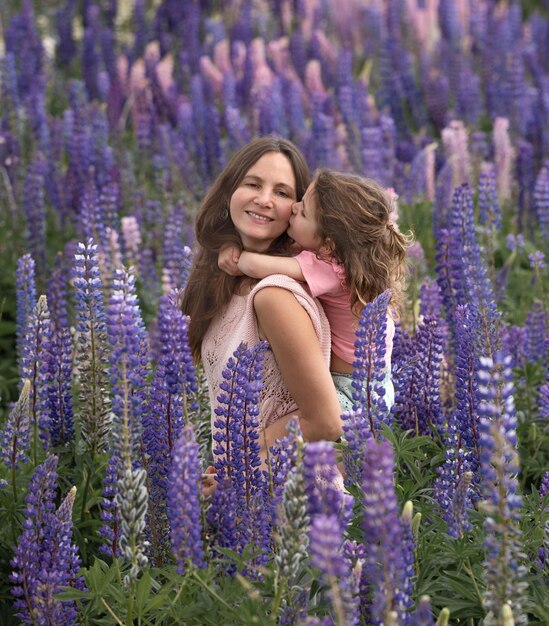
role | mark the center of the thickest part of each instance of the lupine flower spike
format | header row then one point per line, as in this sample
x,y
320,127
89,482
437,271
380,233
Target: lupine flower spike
x,y
505,573
184,503
45,559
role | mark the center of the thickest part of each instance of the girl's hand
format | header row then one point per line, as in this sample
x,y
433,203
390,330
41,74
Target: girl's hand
x,y
228,258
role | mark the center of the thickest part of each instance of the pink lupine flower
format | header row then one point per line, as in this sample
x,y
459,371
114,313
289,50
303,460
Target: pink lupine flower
x,y
504,157
313,77
454,140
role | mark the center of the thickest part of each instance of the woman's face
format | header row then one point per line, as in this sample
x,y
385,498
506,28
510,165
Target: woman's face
x,y
261,205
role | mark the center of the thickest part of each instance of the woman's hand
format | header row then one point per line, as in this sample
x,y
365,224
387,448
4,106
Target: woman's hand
x,y
209,482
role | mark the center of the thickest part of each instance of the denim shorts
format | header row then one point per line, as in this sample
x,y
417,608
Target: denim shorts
x,y
344,390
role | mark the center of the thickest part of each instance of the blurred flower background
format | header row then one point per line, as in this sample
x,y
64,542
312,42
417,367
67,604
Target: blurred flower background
x,y
115,117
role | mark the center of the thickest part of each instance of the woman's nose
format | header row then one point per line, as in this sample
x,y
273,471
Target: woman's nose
x,y
263,197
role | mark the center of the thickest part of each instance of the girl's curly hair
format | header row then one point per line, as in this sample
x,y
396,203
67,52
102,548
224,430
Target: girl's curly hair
x,y
355,225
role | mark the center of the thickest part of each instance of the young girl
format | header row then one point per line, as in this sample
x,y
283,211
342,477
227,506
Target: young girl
x,y
351,253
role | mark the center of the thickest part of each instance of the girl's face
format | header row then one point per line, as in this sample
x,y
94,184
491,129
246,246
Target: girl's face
x,y
261,205
303,227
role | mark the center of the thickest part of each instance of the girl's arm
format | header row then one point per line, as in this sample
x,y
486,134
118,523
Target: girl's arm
x,y
289,330
258,265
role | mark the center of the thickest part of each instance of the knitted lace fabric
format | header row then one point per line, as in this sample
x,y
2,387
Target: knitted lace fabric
x,y
237,323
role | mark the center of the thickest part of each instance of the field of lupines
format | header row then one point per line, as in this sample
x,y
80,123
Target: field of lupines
x,y
114,119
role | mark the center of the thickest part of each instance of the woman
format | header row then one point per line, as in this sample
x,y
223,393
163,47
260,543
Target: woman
x,y
249,205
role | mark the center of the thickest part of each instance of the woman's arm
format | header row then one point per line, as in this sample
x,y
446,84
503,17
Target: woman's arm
x,y
289,330
262,265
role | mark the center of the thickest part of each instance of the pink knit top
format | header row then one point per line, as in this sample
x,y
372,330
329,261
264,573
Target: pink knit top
x,y
237,323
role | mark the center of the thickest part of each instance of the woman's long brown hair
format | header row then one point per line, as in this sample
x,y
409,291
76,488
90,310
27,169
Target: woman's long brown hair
x,y
209,289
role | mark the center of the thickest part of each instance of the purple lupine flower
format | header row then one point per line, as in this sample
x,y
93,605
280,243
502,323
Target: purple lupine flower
x,y
537,260
404,596
34,209
17,430
177,256
282,459
459,519
515,243
171,399
321,476
110,529
35,348
469,95
161,427
488,203
25,43
430,299
26,302
57,400
236,451
325,541
129,366
541,199
370,410
91,346
462,272
418,405
504,573
536,327
45,560
461,438
385,568
65,48
184,502
423,615
57,295
329,510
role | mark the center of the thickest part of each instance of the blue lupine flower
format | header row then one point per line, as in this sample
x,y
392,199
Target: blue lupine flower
x,y
17,431
57,391
385,568
26,302
129,366
25,44
418,405
370,409
423,615
45,559
236,451
488,202
65,48
171,397
329,510
91,346
110,516
404,595
36,346
504,573
541,199
536,327
34,210
184,502
537,260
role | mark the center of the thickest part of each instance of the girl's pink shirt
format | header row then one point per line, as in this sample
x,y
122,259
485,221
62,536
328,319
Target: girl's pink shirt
x,y
326,281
